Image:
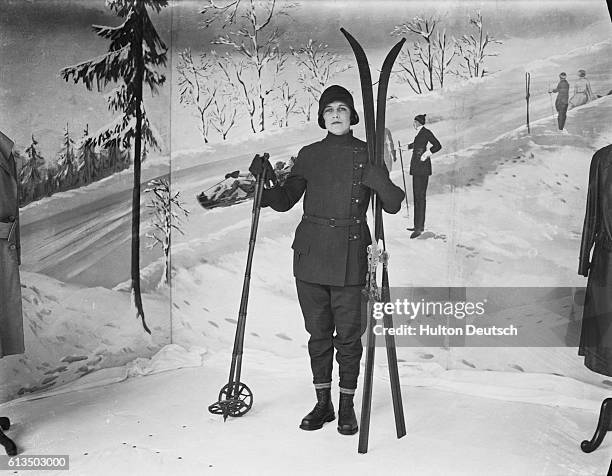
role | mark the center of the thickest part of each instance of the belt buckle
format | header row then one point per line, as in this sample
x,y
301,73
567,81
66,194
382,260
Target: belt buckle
x,y
332,222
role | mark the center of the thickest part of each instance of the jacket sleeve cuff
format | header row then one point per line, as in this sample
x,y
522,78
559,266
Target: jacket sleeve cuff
x,y
378,180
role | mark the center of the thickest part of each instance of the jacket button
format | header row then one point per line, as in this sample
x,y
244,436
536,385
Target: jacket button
x,y
11,218
12,246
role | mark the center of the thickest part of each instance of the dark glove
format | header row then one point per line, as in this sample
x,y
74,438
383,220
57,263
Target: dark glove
x,y
377,178
261,164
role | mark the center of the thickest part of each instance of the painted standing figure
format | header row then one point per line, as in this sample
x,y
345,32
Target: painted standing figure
x,y
330,248
420,169
561,103
390,155
582,90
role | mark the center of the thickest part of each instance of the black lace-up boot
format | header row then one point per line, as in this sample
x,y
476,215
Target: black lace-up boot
x,y
347,421
322,412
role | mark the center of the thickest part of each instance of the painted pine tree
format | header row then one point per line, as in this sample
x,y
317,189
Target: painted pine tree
x,y
66,166
30,178
134,53
85,158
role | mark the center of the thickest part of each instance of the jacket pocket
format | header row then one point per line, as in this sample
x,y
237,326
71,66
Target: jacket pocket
x,y
301,242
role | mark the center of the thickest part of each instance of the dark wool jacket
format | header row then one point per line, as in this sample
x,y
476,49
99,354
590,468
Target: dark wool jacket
x,y
563,90
330,245
9,192
598,218
11,321
419,146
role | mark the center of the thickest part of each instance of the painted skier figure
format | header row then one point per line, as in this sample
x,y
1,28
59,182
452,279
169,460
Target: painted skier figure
x,y
420,169
330,248
582,91
390,155
562,101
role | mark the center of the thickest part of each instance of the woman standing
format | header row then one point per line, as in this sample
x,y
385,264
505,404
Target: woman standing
x,y
330,248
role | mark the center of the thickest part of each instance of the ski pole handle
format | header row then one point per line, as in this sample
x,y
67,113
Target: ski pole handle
x,y
260,167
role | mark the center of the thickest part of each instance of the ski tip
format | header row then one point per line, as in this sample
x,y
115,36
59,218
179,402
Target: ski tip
x,y
346,34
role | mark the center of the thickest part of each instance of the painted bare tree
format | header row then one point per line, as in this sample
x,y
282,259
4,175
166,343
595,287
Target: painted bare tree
x,y
316,67
408,72
223,116
196,87
135,50
423,56
473,49
167,216
426,62
445,52
255,39
224,108
288,101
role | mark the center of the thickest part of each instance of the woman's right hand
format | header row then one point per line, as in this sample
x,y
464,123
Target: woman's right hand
x,y
260,164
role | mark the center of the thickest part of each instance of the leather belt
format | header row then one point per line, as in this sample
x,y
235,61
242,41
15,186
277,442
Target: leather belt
x,y
333,222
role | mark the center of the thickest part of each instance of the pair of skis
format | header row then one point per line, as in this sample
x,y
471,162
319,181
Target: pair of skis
x,y
375,137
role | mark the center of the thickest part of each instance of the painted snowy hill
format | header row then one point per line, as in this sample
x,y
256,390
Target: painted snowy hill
x,y
503,213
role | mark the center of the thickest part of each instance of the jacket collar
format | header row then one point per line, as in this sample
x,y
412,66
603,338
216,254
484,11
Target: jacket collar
x,y
333,139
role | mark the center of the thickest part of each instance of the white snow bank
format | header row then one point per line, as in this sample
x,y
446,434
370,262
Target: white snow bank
x,y
71,331
537,388
169,357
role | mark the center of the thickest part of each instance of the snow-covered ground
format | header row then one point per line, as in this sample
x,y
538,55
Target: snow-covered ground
x,y
468,423
505,208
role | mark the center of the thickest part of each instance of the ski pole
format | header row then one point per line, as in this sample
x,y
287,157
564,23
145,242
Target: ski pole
x,y
527,84
235,398
399,146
